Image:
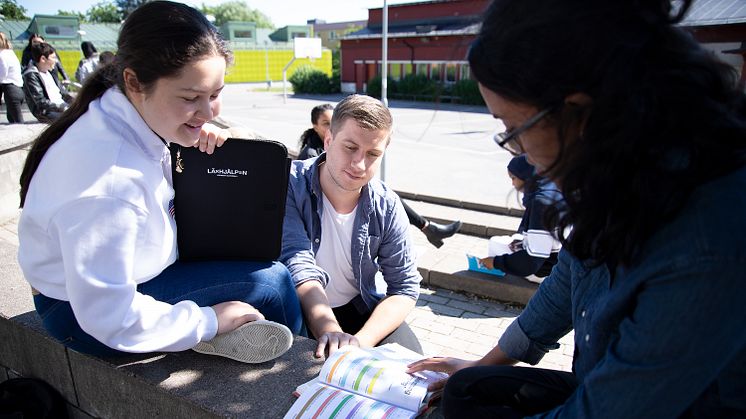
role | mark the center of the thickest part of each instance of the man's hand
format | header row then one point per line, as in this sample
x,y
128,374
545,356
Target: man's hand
x,y
210,137
331,341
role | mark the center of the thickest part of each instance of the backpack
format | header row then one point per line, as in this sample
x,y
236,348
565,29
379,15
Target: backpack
x,y
30,398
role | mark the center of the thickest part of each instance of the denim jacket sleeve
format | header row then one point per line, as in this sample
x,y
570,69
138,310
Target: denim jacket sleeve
x,y
665,357
396,255
547,317
297,245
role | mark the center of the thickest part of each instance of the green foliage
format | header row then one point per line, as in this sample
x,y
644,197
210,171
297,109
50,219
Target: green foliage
x,y
374,87
80,16
336,80
12,10
416,85
128,6
104,12
468,92
307,79
237,11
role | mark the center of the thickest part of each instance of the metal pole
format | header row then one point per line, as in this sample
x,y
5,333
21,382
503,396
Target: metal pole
x,y
285,81
385,55
385,73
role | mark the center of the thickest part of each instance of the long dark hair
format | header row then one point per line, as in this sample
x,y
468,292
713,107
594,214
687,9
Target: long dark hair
x,y
310,133
665,117
157,40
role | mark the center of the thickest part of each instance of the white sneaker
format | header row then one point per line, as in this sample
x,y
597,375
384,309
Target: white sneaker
x,y
253,342
535,279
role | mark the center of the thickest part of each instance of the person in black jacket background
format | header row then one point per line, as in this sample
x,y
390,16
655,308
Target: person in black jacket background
x,y
46,97
533,251
26,58
312,139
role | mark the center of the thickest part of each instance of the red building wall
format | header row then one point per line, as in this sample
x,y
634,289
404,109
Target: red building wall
x,y
423,11
360,57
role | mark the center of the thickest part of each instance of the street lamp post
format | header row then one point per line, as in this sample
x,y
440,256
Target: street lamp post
x,y
385,72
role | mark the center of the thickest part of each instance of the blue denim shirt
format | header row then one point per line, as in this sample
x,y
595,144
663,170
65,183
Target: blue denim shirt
x,y
663,338
380,236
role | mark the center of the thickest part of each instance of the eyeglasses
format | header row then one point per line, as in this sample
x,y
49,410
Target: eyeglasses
x,y
509,140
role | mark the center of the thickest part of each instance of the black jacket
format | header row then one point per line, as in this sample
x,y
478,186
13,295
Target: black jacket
x,y
37,97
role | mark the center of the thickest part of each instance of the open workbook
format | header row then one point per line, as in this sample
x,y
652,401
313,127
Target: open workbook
x,y
365,383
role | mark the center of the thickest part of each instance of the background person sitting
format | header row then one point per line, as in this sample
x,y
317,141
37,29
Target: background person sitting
x,y
45,95
312,139
26,58
533,251
89,63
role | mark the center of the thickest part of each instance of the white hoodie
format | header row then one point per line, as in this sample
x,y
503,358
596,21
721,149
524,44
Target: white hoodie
x,y
96,224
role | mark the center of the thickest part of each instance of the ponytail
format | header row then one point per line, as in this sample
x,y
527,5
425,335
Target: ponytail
x,y
101,80
157,40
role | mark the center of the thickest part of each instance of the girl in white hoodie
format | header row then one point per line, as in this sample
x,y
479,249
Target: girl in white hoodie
x,y
97,237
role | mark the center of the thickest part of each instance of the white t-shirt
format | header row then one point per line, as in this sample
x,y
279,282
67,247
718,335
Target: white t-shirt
x,y
335,254
51,87
10,68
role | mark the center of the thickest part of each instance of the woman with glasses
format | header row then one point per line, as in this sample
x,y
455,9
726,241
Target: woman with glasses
x,y
644,132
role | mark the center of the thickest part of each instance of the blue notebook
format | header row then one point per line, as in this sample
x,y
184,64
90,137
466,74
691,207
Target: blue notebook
x,y
475,266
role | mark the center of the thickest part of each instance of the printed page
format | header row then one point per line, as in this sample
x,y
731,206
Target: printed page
x,y
372,373
324,402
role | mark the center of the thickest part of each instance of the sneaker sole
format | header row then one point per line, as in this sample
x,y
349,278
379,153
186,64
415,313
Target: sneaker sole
x,y
252,343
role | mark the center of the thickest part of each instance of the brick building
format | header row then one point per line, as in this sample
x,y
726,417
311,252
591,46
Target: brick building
x,y
429,38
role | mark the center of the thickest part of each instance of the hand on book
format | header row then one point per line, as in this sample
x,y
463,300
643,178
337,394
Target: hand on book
x,y
447,365
210,137
331,341
232,314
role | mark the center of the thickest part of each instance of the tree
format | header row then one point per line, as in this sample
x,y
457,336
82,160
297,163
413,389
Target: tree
x,y
79,15
128,6
104,12
12,10
237,11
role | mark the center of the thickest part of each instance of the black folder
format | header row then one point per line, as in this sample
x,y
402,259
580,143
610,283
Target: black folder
x,y
230,205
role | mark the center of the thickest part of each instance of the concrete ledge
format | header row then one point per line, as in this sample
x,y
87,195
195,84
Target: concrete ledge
x,y
449,273
15,141
474,206
184,384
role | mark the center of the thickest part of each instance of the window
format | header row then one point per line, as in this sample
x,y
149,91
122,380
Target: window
x,y
435,72
332,35
60,31
408,69
422,69
395,71
465,72
451,72
297,35
242,33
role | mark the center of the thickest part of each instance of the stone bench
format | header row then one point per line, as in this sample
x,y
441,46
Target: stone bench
x,y
184,384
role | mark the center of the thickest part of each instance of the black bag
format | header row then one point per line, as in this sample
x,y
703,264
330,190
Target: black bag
x,y
29,398
230,205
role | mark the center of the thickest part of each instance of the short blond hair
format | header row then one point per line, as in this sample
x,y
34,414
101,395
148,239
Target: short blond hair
x,y
369,113
5,42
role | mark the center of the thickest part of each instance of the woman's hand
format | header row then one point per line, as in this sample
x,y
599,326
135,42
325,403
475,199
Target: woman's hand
x,y
232,314
210,137
439,364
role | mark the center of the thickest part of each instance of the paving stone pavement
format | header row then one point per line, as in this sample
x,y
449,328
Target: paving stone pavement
x,y
447,323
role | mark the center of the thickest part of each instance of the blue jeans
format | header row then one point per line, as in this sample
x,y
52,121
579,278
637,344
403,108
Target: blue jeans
x,y
265,285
